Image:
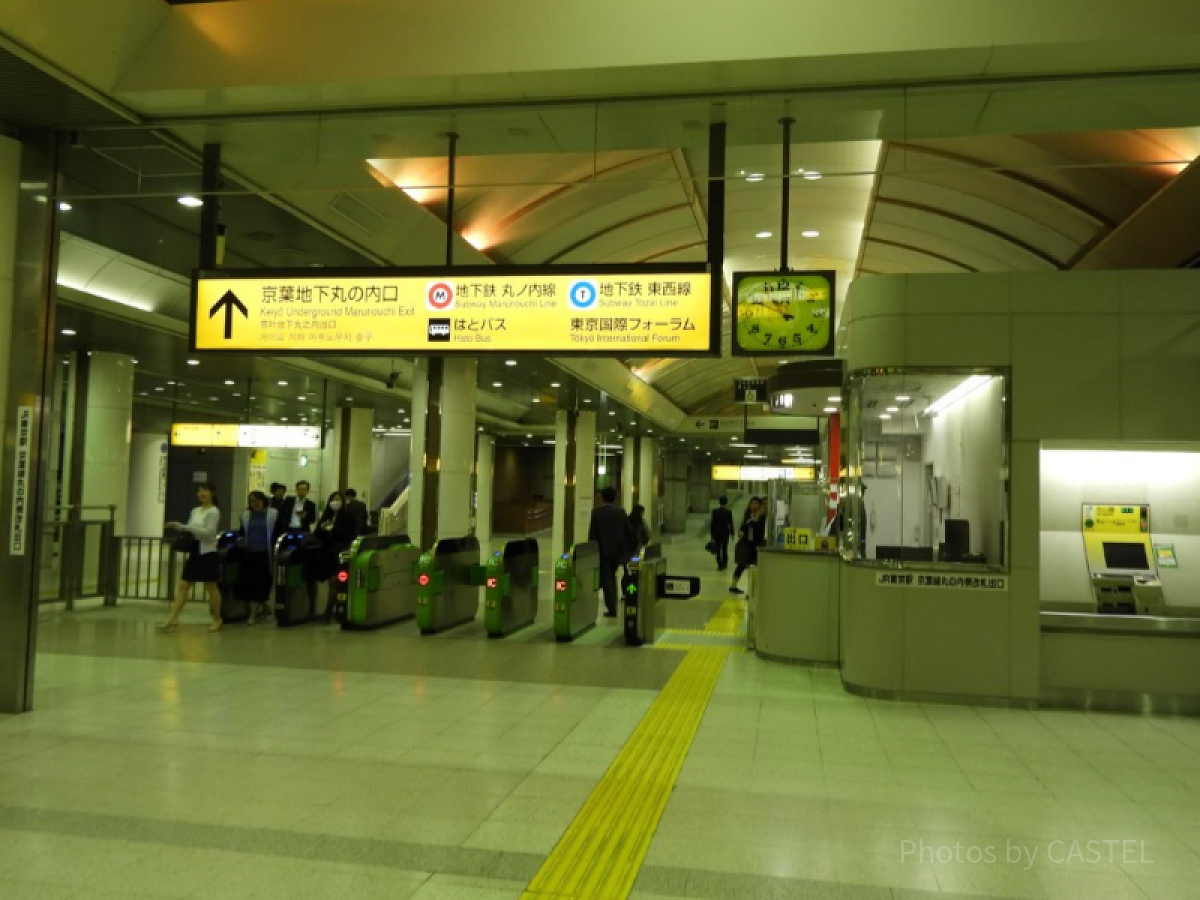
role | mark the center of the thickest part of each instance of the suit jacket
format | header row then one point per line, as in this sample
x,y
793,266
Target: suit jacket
x,y
283,523
720,528
359,515
610,528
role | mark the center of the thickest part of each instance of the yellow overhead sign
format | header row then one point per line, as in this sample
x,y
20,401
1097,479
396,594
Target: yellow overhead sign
x,y
204,434
601,311
763,473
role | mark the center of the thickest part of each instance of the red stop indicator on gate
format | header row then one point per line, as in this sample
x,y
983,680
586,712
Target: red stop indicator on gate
x,y
423,580
491,582
560,586
343,576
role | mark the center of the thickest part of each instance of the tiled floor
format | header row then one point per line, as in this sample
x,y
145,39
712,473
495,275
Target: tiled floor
x,y
261,763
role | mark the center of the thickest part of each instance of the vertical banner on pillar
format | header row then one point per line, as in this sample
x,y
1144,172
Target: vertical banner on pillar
x,y
162,472
20,509
258,470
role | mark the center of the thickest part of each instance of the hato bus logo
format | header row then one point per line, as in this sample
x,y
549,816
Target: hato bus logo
x,y
439,296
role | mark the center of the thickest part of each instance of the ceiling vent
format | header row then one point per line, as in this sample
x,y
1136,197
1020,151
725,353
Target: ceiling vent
x,y
355,211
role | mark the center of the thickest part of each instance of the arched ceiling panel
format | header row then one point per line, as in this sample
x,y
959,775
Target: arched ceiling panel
x,y
981,249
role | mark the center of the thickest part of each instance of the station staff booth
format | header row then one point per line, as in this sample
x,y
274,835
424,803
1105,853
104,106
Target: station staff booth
x,y
1022,493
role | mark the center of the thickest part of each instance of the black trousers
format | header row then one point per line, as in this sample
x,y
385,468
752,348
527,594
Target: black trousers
x,y
722,552
608,583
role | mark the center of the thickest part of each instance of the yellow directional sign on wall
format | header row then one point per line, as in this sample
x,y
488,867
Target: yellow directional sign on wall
x,y
605,311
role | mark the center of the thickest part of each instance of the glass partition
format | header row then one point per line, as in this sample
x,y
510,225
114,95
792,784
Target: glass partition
x,y
927,468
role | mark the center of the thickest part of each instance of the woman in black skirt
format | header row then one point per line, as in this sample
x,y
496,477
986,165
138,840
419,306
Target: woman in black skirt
x,y
202,566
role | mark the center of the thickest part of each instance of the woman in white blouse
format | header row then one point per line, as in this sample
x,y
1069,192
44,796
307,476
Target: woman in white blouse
x,y
202,566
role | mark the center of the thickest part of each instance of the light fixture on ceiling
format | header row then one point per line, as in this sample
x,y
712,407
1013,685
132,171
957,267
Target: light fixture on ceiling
x,y
497,384
755,176
810,233
587,399
902,398
283,418
281,383
213,399
529,435
237,393
510,362
189,201
831,409
884,416
67,332
893,409
960,392
64,206
834,399
812,176
612,412
193,362
134,361
229,382
763,235
537,400
158,389
555,384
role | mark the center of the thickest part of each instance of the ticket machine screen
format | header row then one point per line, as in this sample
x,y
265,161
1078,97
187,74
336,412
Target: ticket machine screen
x,y
1118,555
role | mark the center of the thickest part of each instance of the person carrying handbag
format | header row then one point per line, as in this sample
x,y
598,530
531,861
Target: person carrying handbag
x,y
751,536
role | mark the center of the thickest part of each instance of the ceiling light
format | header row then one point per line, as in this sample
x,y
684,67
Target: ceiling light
x,y
237,393
214,399
283,418
550,441
884,416
68,332
612,412
902,398
158,388
764,235
958,393
732,444
510,362
134,361
834,399
537,400
170,384
810,233
812,176
555,384
281,383
756,456
800,171
649,431
193,362
831,409
64,206
143,394
529,435
479,429
755,176
497,384
587,400
347,399
190,202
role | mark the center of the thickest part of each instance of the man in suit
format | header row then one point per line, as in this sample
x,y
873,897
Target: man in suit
x,y
610,528
278,495
359,514
298,513
720,530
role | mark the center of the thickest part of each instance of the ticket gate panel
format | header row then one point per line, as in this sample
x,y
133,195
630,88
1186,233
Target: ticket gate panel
x,y
381,584
448,581
642,610
576,585
297,598
234,607
511,588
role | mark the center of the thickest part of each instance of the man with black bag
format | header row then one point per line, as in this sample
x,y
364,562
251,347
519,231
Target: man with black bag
x,y
720,530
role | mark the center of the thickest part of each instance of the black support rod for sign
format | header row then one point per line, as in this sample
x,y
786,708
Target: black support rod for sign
x,y
785,192
210,213
716,224
451,177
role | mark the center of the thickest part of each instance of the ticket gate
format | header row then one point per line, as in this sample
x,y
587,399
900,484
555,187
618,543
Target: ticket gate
x,y
380,584
642,610
448,581
576,584
297,595
230,551
511,588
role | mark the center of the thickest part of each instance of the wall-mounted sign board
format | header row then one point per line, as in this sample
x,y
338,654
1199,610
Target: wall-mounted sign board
x,y
763,473
597,310
204,434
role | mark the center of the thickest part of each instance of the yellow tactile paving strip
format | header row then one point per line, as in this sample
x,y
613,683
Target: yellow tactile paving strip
x,y
602,850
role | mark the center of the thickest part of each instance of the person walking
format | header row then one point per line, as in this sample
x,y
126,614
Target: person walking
x,y
611,530
641,531
359,514
278,495
202,566
258,525
720,530
297,513
751,536
335,532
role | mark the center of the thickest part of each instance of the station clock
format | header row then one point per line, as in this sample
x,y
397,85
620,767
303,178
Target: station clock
x,y
784,313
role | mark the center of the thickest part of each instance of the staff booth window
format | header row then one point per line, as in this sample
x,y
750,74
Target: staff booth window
x,y
927,473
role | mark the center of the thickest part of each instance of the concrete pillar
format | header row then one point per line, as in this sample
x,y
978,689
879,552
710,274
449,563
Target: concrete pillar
x,y
10,177
648,483
560,539
416,491
485,465
584,472
629,472
675,491
147,499
457,448
108,433
356,443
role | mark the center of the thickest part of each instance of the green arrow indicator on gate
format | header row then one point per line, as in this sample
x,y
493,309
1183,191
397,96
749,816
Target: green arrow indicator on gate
x,y
631,588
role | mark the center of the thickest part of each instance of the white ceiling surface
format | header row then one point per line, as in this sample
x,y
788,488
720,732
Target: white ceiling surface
x,y
304,53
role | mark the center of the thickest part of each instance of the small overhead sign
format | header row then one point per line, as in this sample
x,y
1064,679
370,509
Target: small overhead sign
x,y
599,310
750,390
701,425
205,434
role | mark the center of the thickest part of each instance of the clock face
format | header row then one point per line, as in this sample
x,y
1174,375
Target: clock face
x,y
784,313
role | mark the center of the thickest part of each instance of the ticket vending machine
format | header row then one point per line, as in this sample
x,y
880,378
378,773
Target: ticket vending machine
x,y
1120,559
